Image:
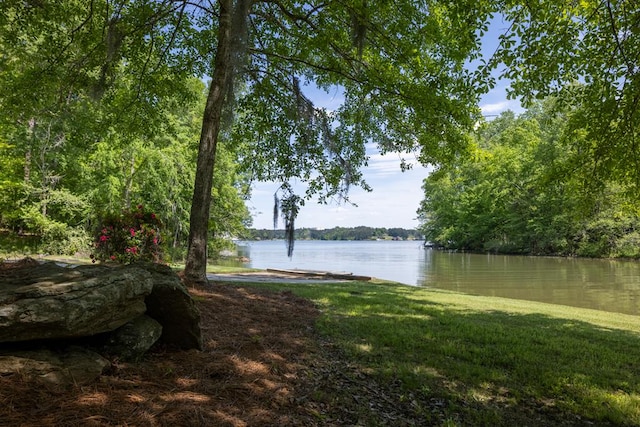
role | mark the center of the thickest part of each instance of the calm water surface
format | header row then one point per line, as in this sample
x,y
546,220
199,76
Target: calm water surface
x,y
600,284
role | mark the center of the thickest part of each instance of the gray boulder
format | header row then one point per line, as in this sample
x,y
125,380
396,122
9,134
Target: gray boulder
x,y
46,305
52,302
132,340
172,306
72,366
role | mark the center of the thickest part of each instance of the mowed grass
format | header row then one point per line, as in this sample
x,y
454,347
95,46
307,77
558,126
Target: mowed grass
x,y
489,361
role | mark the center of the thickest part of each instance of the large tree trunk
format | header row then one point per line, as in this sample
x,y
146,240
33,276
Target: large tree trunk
x,y
196,264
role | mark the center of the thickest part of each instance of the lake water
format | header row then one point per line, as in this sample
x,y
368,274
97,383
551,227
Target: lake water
x,y
600,284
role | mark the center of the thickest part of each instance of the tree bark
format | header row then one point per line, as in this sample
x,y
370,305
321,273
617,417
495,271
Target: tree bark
x,y
27,154
196,263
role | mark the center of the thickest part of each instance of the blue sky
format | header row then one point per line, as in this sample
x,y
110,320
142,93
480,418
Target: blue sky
x,y
396,195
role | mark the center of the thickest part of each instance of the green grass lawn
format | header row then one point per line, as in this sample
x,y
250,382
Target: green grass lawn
x,y
493,360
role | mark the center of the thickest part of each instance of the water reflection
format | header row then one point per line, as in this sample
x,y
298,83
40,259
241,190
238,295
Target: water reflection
x,y
600,284
395,261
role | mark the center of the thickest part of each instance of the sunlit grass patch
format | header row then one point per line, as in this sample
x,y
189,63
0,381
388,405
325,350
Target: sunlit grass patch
x,y
15,246
489,358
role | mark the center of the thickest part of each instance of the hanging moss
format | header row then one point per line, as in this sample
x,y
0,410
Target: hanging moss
x,y
288,206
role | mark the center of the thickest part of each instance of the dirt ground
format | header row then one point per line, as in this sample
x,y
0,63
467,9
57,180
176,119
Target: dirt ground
x,y
263,365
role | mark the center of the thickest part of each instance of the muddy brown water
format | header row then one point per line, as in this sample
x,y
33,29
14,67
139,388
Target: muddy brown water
x,y
609,285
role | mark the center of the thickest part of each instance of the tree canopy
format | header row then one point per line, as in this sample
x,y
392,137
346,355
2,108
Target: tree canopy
x,y
398,64
107,80
586,53
564,177
526,189
98,117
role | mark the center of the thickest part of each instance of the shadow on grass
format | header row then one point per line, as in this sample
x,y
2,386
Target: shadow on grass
x,y
490,366
12,244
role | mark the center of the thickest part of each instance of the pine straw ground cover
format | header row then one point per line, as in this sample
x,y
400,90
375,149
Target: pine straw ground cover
x,y
262,365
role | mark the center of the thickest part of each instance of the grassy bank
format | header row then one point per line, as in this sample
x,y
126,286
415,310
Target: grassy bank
x,y
486,361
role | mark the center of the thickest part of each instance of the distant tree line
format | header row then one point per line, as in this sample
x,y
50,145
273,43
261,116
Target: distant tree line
x,y
338,233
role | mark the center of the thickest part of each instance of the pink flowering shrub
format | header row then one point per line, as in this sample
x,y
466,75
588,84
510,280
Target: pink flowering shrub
x,y
128,237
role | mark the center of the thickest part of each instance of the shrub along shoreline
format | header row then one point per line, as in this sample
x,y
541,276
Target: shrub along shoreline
x,y
490,361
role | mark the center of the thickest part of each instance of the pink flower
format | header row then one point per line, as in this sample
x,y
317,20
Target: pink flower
x,y
113,257
103,238
132,231
155,240
153,216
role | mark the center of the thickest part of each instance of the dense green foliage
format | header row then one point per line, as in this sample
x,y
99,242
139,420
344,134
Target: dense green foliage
x,y
99,115
338,233
527,188
550,46
405,92
62,170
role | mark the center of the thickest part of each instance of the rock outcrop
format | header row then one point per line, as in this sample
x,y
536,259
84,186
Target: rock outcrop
x,y
48,310
53,302
73,365
132,340
172,306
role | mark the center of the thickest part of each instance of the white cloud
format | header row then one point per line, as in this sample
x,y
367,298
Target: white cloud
x,y
495,108
495,101
389,164
393,202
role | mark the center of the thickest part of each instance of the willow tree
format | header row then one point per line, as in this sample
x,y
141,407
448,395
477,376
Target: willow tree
x,y
400,66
